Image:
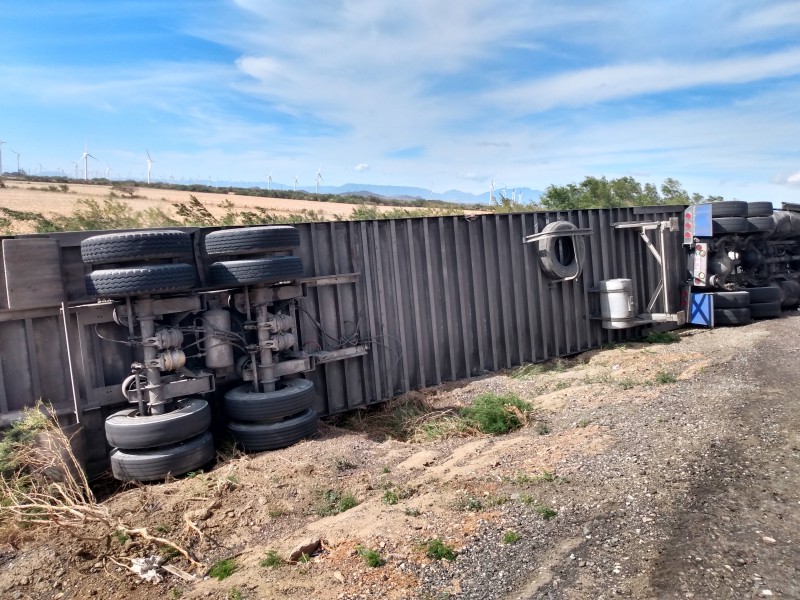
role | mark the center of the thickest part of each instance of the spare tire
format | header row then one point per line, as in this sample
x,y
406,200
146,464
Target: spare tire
x,y
729,208
136,245
561,257
252,240
759,209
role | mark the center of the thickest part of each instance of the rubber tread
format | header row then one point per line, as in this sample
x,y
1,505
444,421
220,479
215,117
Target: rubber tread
x,y
136,245
731,299
759,209
256,437
732,316
730,225
768,293
158,463
251,240
150,279
791,293
127,430
547,247
729,208
256,270
293,396
765,310
762,224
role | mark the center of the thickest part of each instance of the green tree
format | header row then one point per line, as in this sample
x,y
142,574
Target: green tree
x,y
673,192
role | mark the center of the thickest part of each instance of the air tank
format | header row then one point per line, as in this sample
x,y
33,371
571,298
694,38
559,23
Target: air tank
x,y
616,304
219,352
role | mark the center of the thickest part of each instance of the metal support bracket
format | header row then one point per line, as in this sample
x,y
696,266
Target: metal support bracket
x,y
535,237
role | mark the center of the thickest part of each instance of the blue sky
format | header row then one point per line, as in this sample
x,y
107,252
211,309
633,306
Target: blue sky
x,y
429,93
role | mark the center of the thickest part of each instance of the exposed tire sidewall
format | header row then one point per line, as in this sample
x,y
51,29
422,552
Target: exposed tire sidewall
x,y
150,279
729,208
295,396
259,270
256,437
251,240
548,255
128,431
158,463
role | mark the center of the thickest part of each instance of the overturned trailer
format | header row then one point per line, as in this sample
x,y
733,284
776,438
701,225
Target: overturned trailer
x,y
156,343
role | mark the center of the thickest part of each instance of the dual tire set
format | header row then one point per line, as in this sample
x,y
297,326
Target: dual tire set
x,y
272,419
152,447
742,307
737,217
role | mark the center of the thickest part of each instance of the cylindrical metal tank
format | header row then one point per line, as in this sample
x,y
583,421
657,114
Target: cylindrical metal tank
x,y
616,303
219,352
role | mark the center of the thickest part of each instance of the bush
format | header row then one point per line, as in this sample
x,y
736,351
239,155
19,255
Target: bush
x,y
495,414
438,550
223,569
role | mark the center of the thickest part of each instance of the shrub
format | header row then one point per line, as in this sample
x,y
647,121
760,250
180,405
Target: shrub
x,y
271,559
371,557
333,502
438,550
223,569
495,414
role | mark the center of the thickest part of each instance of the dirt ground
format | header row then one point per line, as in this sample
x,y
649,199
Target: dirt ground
x,y
648,471
21,195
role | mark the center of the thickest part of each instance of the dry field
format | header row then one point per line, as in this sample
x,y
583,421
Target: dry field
x,y
21,195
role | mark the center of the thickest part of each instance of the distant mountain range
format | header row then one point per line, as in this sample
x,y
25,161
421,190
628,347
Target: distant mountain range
x,y
412,193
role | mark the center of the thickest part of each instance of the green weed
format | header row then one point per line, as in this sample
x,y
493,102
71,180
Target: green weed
x,y
438,550
662,337
496,414
371,557
665,377
271,559
511,537
223,569
333,502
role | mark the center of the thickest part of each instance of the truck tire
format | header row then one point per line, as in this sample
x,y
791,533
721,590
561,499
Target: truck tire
x,y
158,463
759,209
252,240
729,208
125,429
762,224
768,293
783,224
732,316
149,279
731,299
730,225
255,437
791,293
274,269
135,245
293,396
560,257
765,310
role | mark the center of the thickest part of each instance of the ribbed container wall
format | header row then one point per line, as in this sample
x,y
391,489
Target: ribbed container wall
x,y
446,298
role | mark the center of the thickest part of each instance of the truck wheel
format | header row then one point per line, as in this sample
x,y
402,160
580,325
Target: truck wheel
x,y
768,293
762,224
791,293
150,279
135,245
291,397
759,209
233,273
730,225
732,316
729,208
731,299
158,463
765,310
252,240
255,437
129,431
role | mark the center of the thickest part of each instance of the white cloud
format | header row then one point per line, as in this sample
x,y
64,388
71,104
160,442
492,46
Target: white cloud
x,y
361,167
793,179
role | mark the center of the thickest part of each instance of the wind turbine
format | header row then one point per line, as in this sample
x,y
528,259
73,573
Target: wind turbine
x,y
1,156
295,184
269,181
319,178
108,171
150,162
491,192
86,156
18,155
76,169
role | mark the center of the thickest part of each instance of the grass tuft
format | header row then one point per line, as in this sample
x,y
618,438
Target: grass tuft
x,y
511,537
665,377
662,337
333,502
496,414
223,569
272,559
438,550
371,557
